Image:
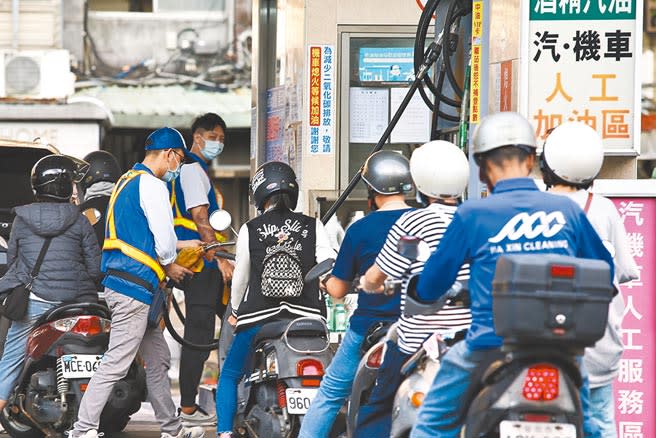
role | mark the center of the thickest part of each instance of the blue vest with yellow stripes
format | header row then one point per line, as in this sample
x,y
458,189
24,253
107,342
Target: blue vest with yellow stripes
x,y
129,243
185,228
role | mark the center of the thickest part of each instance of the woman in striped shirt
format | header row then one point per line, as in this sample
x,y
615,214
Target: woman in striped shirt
x,y
440,171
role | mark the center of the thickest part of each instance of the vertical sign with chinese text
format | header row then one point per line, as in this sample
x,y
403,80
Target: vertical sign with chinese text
x,y
321,133
582,60
635,386
476,61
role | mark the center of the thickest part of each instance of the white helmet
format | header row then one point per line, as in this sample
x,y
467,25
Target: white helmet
x,y
503,129
439,169
574,152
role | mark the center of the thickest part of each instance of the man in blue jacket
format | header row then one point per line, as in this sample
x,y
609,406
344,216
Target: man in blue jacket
x,y
138,254
515,218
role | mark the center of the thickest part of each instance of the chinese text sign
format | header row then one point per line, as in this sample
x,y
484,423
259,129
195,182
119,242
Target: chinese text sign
x,y
322,96
582,57
635,386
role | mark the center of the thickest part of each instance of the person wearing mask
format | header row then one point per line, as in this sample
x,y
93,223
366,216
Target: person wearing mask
x,y
70,264
440,172
272,250
504,148
193,199
387,176
97,187
138,255
573,178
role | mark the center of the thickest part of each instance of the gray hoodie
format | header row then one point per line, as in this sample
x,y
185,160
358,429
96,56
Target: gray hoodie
x,y
71,266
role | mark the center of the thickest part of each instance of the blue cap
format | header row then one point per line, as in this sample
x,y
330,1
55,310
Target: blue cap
x,y
166,138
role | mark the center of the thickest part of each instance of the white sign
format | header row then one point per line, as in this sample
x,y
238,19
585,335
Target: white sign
x,y
580,63
75,139
322,95
414,124
368,114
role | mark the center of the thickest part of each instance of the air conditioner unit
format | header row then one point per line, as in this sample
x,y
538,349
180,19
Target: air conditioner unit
x,y
36,74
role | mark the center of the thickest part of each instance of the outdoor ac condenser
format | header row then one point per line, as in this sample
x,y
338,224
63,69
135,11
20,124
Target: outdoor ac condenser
x,y
35,74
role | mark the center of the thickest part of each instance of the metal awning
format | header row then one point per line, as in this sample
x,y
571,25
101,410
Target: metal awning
x,y
176,106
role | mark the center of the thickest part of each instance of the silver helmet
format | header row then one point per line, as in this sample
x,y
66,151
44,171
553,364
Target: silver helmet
x,y
387,173
503,129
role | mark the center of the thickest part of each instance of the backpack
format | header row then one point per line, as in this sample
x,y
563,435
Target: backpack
x,y
282,275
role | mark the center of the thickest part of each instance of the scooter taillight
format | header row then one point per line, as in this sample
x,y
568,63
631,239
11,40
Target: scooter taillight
x,y
310,368
86,325
541,383
376,357
40,341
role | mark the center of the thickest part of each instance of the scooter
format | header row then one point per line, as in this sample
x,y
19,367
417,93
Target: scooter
x,y
63,352
547,308
290,358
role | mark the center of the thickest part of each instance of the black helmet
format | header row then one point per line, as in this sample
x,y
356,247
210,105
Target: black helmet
x,y
103,166
53,177
272,178
387,173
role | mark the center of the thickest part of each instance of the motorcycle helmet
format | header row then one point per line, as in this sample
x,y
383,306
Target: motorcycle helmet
x,y
103,166
53,177
557,163
503,129
273,178
387,173
439,169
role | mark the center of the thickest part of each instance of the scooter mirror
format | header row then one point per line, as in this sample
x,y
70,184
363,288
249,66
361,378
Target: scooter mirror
x,y
319,269
220,220
413,248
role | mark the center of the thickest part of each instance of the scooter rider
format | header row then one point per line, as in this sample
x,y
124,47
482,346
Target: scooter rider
x,y
515,218
440,172
274,253
193,199
387,176
97,187
138,254
573,178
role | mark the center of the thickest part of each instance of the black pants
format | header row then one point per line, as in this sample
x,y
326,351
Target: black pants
x,y
203,301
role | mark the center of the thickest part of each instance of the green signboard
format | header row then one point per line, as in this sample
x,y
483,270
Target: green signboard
x,y
551,10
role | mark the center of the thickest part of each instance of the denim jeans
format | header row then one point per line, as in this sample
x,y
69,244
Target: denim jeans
x,y
374,418
231,373
602,409
13,357
335,388
436,417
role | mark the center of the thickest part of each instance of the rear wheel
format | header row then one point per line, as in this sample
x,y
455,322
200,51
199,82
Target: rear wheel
x,y
16,428
116,425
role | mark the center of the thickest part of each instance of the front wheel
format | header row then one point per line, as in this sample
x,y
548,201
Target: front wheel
x,y
16,428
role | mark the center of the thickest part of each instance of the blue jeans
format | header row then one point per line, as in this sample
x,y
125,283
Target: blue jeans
x,y
375,417
335,388
602,409
13,357
436,417
231,373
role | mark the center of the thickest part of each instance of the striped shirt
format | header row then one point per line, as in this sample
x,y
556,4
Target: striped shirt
x,y
428,224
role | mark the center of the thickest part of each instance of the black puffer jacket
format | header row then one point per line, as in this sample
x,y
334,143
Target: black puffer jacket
x,y
71,266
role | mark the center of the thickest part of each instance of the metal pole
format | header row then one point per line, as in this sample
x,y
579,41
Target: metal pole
x,y
430,56
15,4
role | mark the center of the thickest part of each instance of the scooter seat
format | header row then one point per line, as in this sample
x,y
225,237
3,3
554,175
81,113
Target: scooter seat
x,y
271,330
311,327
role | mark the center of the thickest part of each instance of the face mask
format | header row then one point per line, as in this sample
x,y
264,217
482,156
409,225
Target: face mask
x,y
170,175
212,149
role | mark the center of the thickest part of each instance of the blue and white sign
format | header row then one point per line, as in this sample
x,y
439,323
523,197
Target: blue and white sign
x,y
388,64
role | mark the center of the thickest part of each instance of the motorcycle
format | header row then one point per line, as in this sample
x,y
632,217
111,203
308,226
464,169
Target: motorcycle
x,y
63,352
290,358
547,308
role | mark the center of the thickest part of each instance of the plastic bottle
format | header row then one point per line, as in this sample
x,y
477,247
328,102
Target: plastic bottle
x,y
330,314
340,318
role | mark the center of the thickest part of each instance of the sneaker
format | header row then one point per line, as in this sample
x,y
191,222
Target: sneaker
x,y
187,432
88,434
198,418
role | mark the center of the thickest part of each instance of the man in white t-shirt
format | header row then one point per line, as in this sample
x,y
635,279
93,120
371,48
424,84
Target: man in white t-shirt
x,y
440,172
194,199
573,177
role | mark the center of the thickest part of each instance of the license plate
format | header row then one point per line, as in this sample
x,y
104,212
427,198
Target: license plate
x,y
79,366
527,429
299,399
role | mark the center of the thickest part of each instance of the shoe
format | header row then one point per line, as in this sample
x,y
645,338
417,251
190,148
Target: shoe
x,y
88,434
187,432
198,418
